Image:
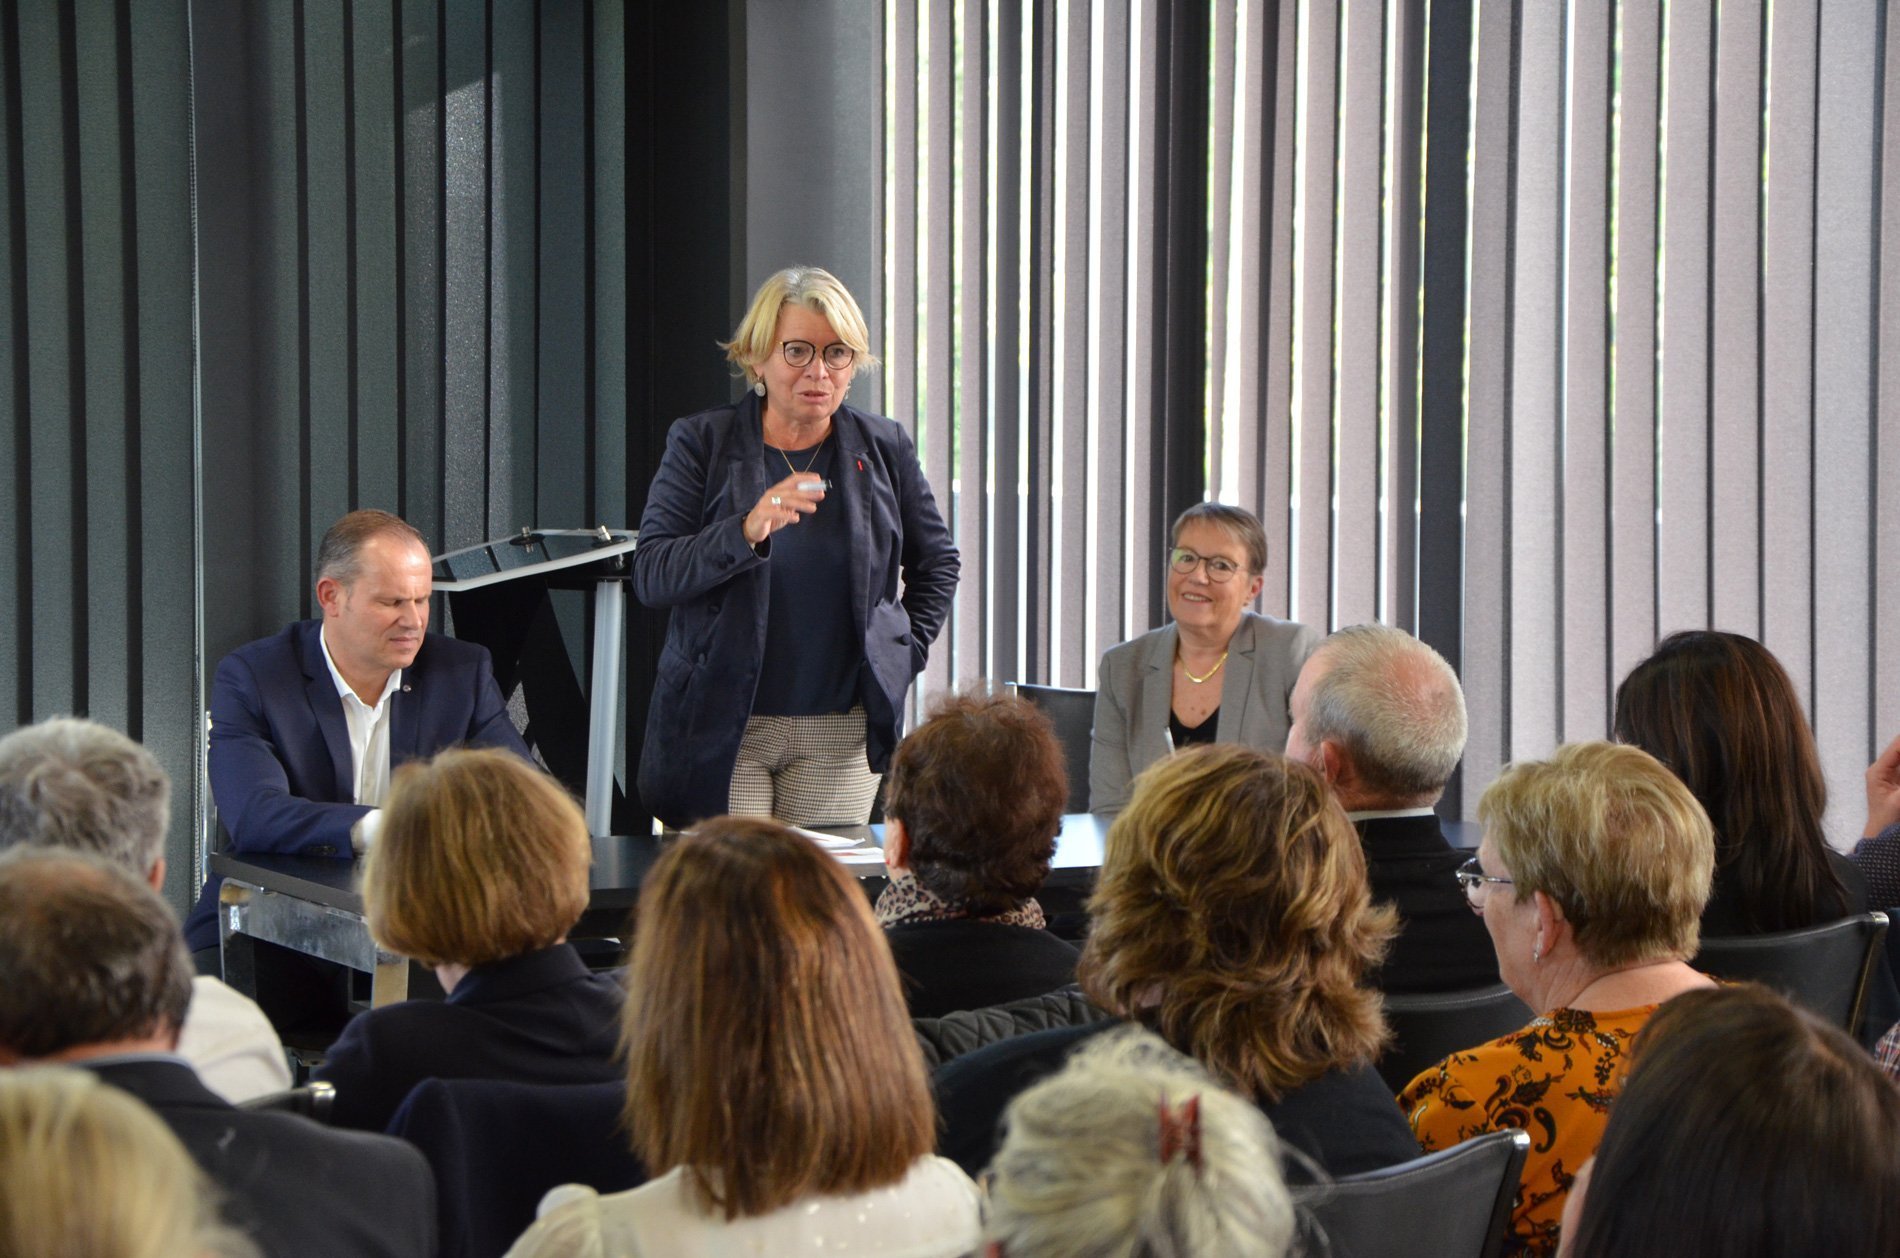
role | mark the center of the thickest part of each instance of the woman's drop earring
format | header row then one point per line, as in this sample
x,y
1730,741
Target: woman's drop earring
x,y
758,387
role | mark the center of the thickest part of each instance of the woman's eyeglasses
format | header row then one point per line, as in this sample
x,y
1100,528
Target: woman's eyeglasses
x,y
837,355
1185,561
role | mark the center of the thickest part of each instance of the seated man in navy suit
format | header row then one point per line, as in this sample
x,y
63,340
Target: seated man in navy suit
x,y
307,723
1382,717
93,976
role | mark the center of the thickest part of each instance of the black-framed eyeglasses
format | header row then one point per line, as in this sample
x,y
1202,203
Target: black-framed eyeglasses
x,y
1473,879
837,355
1185,561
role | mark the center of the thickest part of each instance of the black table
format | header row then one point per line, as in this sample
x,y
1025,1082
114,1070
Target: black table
x,y
311,904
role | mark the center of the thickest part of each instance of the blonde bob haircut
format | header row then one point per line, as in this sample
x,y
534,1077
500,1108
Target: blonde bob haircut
x,y
1232,915
481,857
1615,839
769,1050
86,1169
813,288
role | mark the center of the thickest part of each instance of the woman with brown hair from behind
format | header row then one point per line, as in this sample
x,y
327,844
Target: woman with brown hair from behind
x,y
774,1086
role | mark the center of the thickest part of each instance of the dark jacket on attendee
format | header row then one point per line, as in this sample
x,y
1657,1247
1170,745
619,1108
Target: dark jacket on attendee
x,y
967,1030
300,1189
1345,1121
538,1018
1442,945
969,964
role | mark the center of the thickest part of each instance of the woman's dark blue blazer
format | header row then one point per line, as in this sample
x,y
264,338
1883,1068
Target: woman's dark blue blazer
x,y
693,557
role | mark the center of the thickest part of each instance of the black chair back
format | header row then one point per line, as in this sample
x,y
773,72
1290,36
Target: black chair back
x,y
1072,712
312,1100
1427,1026
1455,1203
1824,968
497,1148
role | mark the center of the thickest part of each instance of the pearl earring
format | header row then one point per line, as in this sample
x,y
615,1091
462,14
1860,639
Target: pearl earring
x,y
758,387
1537,953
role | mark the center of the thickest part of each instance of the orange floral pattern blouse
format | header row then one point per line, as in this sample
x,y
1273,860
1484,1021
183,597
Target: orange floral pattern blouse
x,y
1554,1080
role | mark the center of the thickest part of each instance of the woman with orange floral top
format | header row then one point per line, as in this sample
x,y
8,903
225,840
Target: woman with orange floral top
x,y
1591,879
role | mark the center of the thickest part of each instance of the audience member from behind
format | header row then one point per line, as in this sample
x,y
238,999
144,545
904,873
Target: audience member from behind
x,y
1719,710
1878,853
774,1086
1748,1128
1382,717
87,1170
93,973
1591,879
1132,1150
973,804
480,870
79,785
1232,918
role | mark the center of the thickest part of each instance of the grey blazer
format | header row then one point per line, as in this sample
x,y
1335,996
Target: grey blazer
x,y
1135,692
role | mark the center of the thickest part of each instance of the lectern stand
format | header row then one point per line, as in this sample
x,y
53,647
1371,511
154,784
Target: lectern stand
x,y
596,558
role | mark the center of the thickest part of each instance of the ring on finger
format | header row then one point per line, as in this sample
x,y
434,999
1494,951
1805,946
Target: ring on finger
x,y
775,500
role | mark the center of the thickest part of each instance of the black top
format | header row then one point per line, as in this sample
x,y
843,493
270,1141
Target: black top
x,y
300,1189
538,1018
949,966
1722,916
1187,736
1345,1121
812,650
1442,945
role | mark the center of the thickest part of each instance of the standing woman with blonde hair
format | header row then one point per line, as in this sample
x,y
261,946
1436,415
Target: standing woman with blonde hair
x,y
87,1170
775,1088
807,568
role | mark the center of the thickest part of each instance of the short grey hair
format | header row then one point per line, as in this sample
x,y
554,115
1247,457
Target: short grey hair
x,y
77,784
1080,1173
89,954
340,553
1394,704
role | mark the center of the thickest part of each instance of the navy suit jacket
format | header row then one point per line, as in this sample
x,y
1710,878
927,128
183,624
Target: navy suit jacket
x,y
1442,945
693,557
280,749
537,1018
300,1189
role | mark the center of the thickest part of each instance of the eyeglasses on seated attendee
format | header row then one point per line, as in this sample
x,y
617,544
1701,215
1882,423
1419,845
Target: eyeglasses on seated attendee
x,y
1591,878
775,1088
1748,1128
1132,1150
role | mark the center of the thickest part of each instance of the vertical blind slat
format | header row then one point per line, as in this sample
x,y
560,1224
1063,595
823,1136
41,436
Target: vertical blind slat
x,y
1279,59
1735,509
1360,258
465,276
378,331
975,608
1318,150
1222,110
1008,363
1633,454
1586,377
1683,542
422,179
1886,533
326,215
1075,654
1533,454
1400,345
1108,343
1788,313
1143,346
1843,495
15,455
1487,642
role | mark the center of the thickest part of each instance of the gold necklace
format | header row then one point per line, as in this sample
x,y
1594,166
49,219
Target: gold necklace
x,y
810,463
1204,676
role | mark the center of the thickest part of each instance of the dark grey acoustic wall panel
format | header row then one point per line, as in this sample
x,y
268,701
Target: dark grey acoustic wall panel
x,y
97,595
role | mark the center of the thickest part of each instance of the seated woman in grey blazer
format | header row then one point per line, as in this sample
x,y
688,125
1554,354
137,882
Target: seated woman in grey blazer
x,y
1160,691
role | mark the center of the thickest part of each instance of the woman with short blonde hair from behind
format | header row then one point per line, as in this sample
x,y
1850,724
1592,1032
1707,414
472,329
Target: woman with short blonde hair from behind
x,y
1132,1151
1591,879
87,1170
480,869
775,1087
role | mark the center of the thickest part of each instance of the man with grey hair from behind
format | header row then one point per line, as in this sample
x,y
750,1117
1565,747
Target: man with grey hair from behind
x,y
1132,1151
81,786
1381,715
